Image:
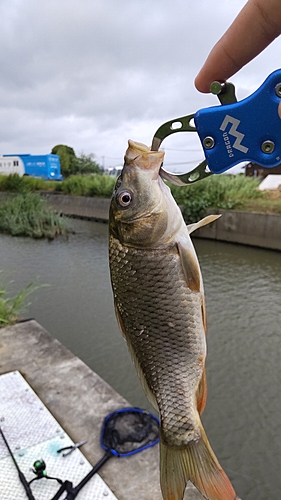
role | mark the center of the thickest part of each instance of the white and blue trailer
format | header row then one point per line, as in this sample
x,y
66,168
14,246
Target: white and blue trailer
x,y
44,166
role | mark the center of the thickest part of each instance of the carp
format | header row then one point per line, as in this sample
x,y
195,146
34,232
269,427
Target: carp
x,y
160,308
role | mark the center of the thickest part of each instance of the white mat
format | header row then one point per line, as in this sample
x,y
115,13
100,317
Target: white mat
x,y
34,434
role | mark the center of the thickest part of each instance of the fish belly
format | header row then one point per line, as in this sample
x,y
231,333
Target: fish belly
x,y
161,319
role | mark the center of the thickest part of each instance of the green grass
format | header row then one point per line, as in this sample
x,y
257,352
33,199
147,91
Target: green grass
x,y
269,203
76,185
87,185
218,191
27,215
12,307
16,184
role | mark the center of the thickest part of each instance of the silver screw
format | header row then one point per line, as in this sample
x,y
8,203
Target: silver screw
x,y
208,142
268,147
278,89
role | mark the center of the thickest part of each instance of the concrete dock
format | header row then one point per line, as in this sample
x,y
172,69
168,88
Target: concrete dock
x,y
79,400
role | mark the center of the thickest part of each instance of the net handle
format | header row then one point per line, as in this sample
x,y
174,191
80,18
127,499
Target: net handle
x,y
73,494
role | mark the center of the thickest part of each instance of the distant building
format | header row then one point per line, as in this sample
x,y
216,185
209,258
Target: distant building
x,y
254,170
114,171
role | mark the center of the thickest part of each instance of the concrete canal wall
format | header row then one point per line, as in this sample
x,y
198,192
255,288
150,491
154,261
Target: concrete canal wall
x,y
256,229
79,206
79,400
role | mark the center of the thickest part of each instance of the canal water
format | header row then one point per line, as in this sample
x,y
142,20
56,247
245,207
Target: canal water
x,y
243,293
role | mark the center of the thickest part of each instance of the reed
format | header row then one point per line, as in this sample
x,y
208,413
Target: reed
x,y
218,191
27,215
12,307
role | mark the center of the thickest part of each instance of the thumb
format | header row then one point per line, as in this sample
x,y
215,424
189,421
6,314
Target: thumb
x,y
279,109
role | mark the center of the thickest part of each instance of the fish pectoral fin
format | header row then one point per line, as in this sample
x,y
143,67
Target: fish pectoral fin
x,y
195,462
190,267
119,320
202,222
201,395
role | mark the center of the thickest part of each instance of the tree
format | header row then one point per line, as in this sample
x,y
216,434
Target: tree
x,y
85,164
67,158
72,165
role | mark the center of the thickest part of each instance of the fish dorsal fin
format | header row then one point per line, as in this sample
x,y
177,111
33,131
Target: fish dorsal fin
x,y
202,222
190,267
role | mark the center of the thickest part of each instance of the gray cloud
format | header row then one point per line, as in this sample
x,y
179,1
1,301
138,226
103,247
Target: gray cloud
x,y
92,74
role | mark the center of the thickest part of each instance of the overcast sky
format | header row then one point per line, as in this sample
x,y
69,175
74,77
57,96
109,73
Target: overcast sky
x,y
94,73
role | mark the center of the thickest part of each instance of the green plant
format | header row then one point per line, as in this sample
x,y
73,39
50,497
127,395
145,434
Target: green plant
x,y
67,158
12,182
88,185
85,164
194,209
218,191
27,215
101,185
12,307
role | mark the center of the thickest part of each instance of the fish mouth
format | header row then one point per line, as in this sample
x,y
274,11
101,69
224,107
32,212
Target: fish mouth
x,y
142,155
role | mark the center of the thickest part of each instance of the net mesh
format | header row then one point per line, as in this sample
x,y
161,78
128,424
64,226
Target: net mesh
x,y
129,431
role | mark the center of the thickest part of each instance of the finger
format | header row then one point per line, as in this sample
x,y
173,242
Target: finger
x,y
255,27
279,109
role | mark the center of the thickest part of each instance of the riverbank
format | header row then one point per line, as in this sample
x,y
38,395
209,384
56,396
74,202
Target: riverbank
x,y
79,400
248,228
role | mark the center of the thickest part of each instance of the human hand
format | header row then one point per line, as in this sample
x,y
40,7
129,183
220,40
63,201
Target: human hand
x,y
255,27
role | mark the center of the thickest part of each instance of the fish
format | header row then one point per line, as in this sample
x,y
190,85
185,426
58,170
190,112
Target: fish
x,y
160,308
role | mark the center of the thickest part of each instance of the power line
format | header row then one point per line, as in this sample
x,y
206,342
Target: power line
x,y
110,157
181,162
182,150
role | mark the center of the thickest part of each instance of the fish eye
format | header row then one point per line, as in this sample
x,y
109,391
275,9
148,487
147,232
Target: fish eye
x,y
124,198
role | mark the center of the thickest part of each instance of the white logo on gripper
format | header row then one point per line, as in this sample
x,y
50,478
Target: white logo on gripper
x,y
234,132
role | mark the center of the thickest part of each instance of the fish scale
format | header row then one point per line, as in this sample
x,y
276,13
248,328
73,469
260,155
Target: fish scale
x,y
150,305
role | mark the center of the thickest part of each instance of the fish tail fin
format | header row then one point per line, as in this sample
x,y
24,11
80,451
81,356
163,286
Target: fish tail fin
x,y
195,462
